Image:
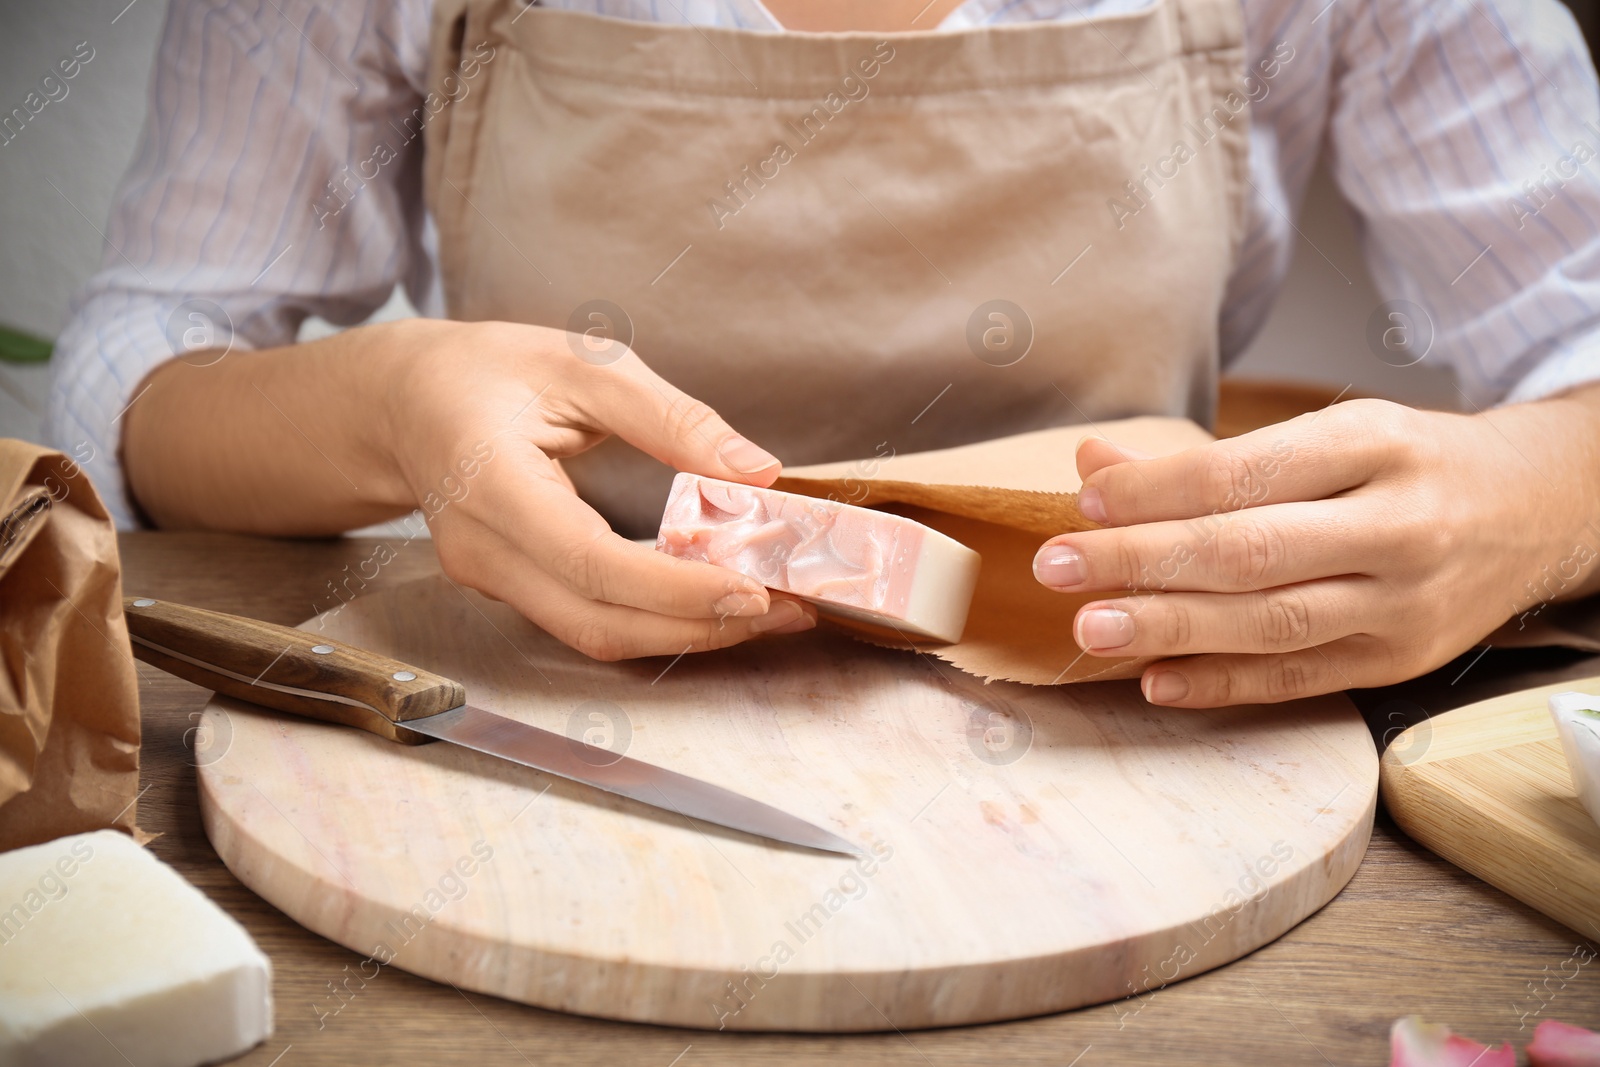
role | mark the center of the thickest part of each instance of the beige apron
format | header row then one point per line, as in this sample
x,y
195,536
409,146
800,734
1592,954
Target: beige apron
x,y
850,243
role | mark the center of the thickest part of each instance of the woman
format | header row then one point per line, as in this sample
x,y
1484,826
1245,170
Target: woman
x,y
839,226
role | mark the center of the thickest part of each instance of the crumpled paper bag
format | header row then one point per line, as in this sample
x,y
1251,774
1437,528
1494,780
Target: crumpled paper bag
x,y
69,701
1001,498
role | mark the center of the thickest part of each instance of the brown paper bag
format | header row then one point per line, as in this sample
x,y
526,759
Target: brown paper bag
x,y
1001,498
69,701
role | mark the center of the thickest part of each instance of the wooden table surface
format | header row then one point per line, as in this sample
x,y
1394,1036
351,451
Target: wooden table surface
x,y
1411,934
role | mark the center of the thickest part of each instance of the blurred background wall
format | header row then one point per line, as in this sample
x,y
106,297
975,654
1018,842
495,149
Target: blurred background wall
x,y
57,178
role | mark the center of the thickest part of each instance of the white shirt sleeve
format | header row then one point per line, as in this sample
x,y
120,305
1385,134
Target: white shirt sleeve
x,y
278,176
1467,137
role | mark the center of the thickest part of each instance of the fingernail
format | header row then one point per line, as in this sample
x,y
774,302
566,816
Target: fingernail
x,y
746,457
1092,505
740,603
1100,628
1164,687
786,617
1059,567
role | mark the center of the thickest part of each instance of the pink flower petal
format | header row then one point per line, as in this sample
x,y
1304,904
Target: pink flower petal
x,y
1414,1043
1557,1044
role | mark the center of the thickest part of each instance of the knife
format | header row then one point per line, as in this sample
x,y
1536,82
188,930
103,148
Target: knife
x,y
318,678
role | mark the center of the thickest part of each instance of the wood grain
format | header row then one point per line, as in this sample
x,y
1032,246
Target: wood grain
x,y
1410,933
1248,819
1488,788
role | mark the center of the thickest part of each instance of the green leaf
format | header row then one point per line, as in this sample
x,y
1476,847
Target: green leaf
x,y
18,347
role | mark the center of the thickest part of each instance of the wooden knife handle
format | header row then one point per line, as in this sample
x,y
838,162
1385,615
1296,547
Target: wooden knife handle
x,y
287,669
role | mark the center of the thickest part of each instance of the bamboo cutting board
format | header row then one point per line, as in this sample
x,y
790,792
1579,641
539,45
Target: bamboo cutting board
x,y
1487,787
1031,848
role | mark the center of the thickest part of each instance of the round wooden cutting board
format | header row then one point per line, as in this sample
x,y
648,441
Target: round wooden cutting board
x,y
1030,849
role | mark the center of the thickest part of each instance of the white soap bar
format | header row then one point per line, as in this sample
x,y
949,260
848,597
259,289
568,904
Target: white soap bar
x,y
852,562
107,956
1577,717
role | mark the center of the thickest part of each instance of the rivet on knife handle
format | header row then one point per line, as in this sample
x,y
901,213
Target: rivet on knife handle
x,y
288,669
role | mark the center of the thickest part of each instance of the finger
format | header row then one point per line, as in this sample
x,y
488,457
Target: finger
x,y
1284,619
563,477
1307,458
1231,553
612,632
1096,452
644,409
1222,680
542,521
605,631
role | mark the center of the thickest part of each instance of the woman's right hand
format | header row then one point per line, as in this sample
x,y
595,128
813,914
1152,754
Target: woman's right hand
x,y
378,420
517,530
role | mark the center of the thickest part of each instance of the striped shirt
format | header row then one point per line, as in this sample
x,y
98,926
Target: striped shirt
x,y
1464,133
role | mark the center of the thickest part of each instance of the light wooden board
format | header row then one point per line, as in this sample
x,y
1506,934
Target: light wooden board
x,y
1487,787
1039,848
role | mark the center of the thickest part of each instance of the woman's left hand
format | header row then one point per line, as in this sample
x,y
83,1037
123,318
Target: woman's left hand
x,y
1357,546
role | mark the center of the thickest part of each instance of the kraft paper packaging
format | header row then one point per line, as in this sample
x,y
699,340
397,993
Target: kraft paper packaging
x,y
1001,498
69,701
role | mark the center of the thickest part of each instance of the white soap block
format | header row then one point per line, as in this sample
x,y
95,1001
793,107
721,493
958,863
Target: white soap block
x,y
107,956
1577,718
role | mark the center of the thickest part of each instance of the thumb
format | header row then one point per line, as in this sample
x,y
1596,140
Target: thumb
x,y
663,421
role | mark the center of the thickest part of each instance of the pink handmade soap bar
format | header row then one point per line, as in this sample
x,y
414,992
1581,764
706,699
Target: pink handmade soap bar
x,y
849,561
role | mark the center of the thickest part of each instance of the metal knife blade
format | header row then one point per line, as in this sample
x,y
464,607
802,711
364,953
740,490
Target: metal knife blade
x,y
690,798
320,678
